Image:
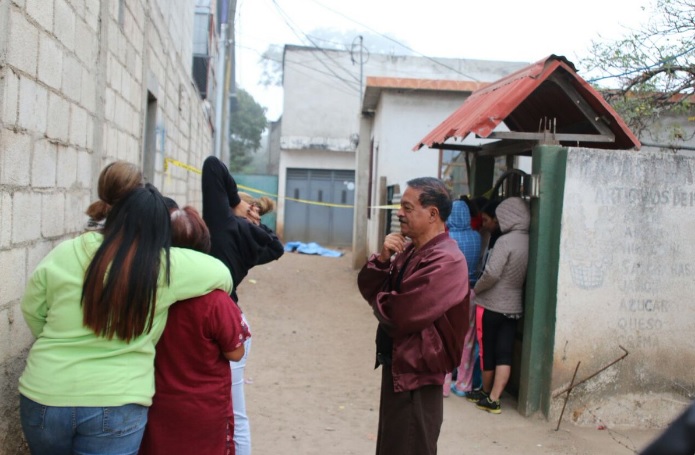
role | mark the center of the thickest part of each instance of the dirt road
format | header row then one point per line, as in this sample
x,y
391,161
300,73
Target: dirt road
x,y
312,387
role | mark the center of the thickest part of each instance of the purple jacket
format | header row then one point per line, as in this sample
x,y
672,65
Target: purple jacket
x,y
427,316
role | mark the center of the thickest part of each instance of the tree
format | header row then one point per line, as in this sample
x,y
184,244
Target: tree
x,y
248,122
654,68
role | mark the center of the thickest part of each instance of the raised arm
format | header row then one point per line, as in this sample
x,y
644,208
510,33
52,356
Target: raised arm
x,y
194,273
271,248
219,191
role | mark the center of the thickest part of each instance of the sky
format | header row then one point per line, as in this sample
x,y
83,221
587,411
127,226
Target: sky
x,y
505,30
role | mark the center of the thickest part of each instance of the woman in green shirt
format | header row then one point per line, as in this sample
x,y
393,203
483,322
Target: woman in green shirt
x,y
97,304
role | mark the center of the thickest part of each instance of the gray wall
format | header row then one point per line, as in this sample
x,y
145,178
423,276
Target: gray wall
x,y
625,279
74,82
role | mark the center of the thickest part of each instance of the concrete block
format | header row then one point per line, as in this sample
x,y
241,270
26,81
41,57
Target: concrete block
x,y
88,95
113,77
33,99
126,79
84,170
64,24
5,219
121,114
85,43
79,7
44,163
36,252
52,214
24,36
110,139
9,96
58,117
76,203
72,78
90,133
78,127
42,12
91,15
67,166
137,71
113,13
137,125
4,335
110,104
12,268
14,159
26,217
50,61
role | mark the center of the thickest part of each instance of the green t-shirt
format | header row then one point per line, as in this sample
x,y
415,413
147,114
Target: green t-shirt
x,y
69,365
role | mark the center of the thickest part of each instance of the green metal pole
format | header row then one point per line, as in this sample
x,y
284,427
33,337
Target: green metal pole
x,y
549,162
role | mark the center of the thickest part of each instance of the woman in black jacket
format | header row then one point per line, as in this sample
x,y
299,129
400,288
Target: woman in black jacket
x,y
241,242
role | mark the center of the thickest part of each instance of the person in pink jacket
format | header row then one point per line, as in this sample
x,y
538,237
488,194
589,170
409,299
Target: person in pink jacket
x,y
414,288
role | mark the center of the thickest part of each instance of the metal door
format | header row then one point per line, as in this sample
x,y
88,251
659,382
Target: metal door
x,y
310,213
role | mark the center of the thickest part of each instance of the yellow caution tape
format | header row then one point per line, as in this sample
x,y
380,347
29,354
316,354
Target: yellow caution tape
x,y
174,162
180,164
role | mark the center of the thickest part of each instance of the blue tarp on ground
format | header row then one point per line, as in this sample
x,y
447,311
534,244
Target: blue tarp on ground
x,y
311,248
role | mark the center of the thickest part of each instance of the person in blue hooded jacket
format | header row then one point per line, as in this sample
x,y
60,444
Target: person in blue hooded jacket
x,y
469,242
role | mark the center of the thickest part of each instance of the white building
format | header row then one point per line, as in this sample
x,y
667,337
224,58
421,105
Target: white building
x,y
324,91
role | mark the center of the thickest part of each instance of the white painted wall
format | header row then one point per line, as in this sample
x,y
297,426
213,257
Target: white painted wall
x,y
627,258
321,96
401,121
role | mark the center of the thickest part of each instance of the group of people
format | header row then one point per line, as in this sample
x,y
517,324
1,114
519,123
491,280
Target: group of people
x,y
439,289
137,322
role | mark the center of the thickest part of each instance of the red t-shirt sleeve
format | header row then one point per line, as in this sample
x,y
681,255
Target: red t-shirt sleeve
x,y
225,323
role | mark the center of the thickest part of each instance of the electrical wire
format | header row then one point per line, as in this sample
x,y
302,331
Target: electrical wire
x,y
293,28
396,42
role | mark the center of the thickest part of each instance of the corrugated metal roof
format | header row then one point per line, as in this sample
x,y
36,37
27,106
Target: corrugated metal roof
x,y
547,89
375,84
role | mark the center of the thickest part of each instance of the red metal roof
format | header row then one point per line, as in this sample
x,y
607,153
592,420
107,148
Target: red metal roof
x,y
524,98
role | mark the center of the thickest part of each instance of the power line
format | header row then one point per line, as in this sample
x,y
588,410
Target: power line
x,y
287,21
397,42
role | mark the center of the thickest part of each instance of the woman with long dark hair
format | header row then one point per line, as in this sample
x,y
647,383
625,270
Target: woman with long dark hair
x,y
97,305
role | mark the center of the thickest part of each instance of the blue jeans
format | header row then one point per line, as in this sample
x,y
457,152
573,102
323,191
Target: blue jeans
x,y
242,429
56,430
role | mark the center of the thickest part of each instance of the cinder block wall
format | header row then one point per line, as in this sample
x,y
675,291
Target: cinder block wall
x,y
624,294
76,80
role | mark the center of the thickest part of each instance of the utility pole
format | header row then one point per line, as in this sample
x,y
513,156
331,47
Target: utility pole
x,y
361,67
221,78
230,84
361,62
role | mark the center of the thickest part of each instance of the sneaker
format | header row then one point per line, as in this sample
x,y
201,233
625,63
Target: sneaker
x,y
459,393
476,395
486,404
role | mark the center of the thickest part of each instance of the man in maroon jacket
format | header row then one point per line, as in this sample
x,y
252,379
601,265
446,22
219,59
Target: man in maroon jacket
x,y
418,288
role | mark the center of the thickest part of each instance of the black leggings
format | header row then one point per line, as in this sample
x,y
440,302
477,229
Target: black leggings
x,y
497,340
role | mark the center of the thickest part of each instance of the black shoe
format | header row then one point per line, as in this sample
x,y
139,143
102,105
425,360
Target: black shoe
x,y
476,395
486,404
